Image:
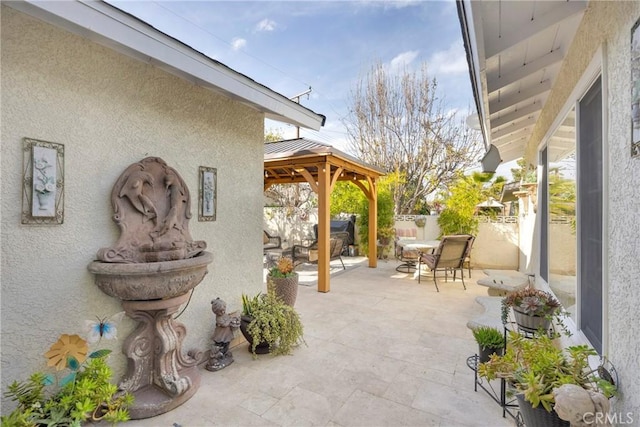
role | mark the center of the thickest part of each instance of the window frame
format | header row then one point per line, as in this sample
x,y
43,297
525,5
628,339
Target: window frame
x,y
597,68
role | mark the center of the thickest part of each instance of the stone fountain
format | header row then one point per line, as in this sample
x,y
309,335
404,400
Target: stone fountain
x,y
152,269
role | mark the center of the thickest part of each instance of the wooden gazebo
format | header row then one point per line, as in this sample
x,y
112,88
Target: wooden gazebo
x,y
302,160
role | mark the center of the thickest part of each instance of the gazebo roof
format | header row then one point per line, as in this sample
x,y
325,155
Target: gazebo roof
x,y
321,165
285,160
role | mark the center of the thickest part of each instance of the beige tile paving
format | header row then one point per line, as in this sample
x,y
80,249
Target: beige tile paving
x,y
382,350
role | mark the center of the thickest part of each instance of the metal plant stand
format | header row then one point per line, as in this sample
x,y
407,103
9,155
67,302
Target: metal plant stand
x,y
509,407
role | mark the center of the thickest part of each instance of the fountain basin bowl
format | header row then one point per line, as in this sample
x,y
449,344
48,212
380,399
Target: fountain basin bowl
x,y
151,280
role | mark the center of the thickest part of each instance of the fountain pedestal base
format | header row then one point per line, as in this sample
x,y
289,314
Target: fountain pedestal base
x,y
159,376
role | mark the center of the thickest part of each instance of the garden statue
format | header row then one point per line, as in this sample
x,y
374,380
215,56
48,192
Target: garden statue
x,y
581,407
226,325
152,208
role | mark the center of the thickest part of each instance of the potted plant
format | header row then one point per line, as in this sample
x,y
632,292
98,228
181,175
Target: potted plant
x,y
490,341
84,392
284,281
533,309
270,325
535,367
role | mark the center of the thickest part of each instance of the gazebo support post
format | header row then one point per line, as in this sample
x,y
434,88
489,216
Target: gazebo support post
x,y
373,223
324,226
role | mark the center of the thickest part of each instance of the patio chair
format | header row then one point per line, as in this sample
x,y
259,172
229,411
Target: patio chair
x,y
467,256
450,255
309,254
407,257
270,242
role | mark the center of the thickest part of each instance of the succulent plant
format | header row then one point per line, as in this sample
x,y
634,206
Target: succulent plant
x,y
283,268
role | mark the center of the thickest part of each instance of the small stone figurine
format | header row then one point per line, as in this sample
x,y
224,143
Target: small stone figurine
x,y
226,325
582,408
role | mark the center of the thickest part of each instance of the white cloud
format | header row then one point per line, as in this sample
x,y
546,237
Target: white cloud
x,y
452,60
238,43
266,25
403,60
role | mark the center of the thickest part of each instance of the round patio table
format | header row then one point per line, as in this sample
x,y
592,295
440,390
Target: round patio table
x,y
409,264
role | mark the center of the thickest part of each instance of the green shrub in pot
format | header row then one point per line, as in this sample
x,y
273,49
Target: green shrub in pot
x,y
490,340
268,320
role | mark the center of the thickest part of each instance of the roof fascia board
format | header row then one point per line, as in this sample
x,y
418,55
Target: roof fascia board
x,y
471,22
107,25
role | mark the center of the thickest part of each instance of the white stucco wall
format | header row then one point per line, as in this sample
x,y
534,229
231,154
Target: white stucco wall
x,y
496,247
608,25
110,111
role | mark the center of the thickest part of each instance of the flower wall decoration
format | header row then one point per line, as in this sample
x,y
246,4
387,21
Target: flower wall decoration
x,y
83,394
42,182
67,346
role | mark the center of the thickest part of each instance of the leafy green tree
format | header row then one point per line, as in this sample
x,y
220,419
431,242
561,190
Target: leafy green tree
x,y
347,198
562,194
459,214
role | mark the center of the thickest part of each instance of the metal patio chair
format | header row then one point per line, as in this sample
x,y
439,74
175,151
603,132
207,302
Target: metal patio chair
x,y
309,254
450,255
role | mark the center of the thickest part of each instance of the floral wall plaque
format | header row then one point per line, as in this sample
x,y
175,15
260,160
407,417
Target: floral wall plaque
x,y
42,182
635,90
207,189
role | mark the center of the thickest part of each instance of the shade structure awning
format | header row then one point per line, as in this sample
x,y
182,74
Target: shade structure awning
x,y
320,165
515,50
295,160
491,203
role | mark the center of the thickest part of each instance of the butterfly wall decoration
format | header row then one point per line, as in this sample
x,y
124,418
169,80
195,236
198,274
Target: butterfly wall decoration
x,y
102,328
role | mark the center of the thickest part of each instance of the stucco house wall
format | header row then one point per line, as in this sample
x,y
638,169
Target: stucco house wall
x,y
110,111
608,25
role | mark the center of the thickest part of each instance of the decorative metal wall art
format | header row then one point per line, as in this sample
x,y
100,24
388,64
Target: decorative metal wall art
x,y
207,194
635,90
42,182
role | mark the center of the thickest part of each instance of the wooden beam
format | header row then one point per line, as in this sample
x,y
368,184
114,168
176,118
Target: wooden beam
x,y
310,179
507,101
515,115
324,226
512,128
373,224
526,70
522,31
362,187
334,178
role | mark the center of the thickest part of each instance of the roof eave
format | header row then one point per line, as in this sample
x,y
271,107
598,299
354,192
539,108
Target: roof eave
x,y
122,32
475,62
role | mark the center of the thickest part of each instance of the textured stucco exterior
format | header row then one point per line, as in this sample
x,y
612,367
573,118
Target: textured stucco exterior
x,y
608,25
110,111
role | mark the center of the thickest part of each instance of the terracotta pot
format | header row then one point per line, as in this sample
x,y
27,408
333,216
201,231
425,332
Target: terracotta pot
x,y
261,348
539,417
285,287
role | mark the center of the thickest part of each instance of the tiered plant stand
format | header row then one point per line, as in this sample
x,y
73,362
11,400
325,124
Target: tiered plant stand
x,y
498,394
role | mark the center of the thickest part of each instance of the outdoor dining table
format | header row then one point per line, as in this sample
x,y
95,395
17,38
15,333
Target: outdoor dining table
x,y
413,247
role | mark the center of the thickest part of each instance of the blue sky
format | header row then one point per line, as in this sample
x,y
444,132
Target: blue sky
x,y
328,45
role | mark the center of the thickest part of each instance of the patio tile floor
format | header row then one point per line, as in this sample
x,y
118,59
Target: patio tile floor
x,y
382,350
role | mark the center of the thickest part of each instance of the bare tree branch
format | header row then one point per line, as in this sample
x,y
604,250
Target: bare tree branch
x,y
398,123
